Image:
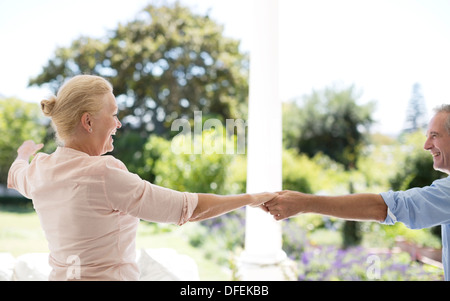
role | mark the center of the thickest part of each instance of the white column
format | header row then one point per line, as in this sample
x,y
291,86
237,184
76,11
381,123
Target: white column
x,y
263,246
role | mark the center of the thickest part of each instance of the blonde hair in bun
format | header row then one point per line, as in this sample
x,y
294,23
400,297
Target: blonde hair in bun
x,y
80,94
48,105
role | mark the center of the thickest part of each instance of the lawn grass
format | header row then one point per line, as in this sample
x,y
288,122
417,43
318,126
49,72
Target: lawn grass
x,y
20,233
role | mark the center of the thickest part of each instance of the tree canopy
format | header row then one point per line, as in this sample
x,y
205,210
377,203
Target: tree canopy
x,y
164,65
329,121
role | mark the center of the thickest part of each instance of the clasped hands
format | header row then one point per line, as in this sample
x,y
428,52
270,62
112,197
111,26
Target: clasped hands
x,y
286,204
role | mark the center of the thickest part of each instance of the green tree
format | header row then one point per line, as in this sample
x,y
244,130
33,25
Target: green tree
x,y
19,121
335,124
204,172
164,65
292,124
416,168
416,115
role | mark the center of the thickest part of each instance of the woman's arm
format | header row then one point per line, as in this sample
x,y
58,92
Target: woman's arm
x,y
17,171
212,205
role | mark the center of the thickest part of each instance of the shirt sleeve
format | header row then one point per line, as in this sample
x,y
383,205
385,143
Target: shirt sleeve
x,y
419,208
130,194
17,178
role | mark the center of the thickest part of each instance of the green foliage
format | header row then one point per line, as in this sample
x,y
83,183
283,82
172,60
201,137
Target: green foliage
x,y
187,172
351,234
19,121
164,65
377,164
292,123
319,174
333,123
220,237
420,237
416,169
16,204
129,148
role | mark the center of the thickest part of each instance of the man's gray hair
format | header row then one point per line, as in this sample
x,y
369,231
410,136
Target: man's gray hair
x,y
444,109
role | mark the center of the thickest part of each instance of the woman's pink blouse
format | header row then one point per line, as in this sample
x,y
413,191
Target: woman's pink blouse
x,y
89,208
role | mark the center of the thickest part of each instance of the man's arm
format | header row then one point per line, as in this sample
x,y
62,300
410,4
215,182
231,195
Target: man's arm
x,y
366,206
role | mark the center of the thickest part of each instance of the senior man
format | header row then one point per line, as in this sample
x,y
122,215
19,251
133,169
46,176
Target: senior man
x,y
417,207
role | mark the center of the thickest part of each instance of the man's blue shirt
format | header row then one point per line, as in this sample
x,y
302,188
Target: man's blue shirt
x,y
421,208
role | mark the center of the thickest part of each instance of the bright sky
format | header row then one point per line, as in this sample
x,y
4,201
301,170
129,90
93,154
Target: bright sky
x,y
382,47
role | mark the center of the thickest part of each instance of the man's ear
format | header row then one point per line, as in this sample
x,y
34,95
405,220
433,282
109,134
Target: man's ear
x,y
86,121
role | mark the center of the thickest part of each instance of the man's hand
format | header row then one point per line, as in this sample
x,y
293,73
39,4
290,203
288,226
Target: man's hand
x,y
287,204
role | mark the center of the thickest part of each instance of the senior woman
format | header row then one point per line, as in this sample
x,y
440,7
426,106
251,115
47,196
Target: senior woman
x,y
89,205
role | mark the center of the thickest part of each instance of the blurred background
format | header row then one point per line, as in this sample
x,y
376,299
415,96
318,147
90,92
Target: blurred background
x,y
358,82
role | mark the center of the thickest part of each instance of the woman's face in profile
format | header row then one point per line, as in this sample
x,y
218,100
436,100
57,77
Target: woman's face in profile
x,y
107,123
